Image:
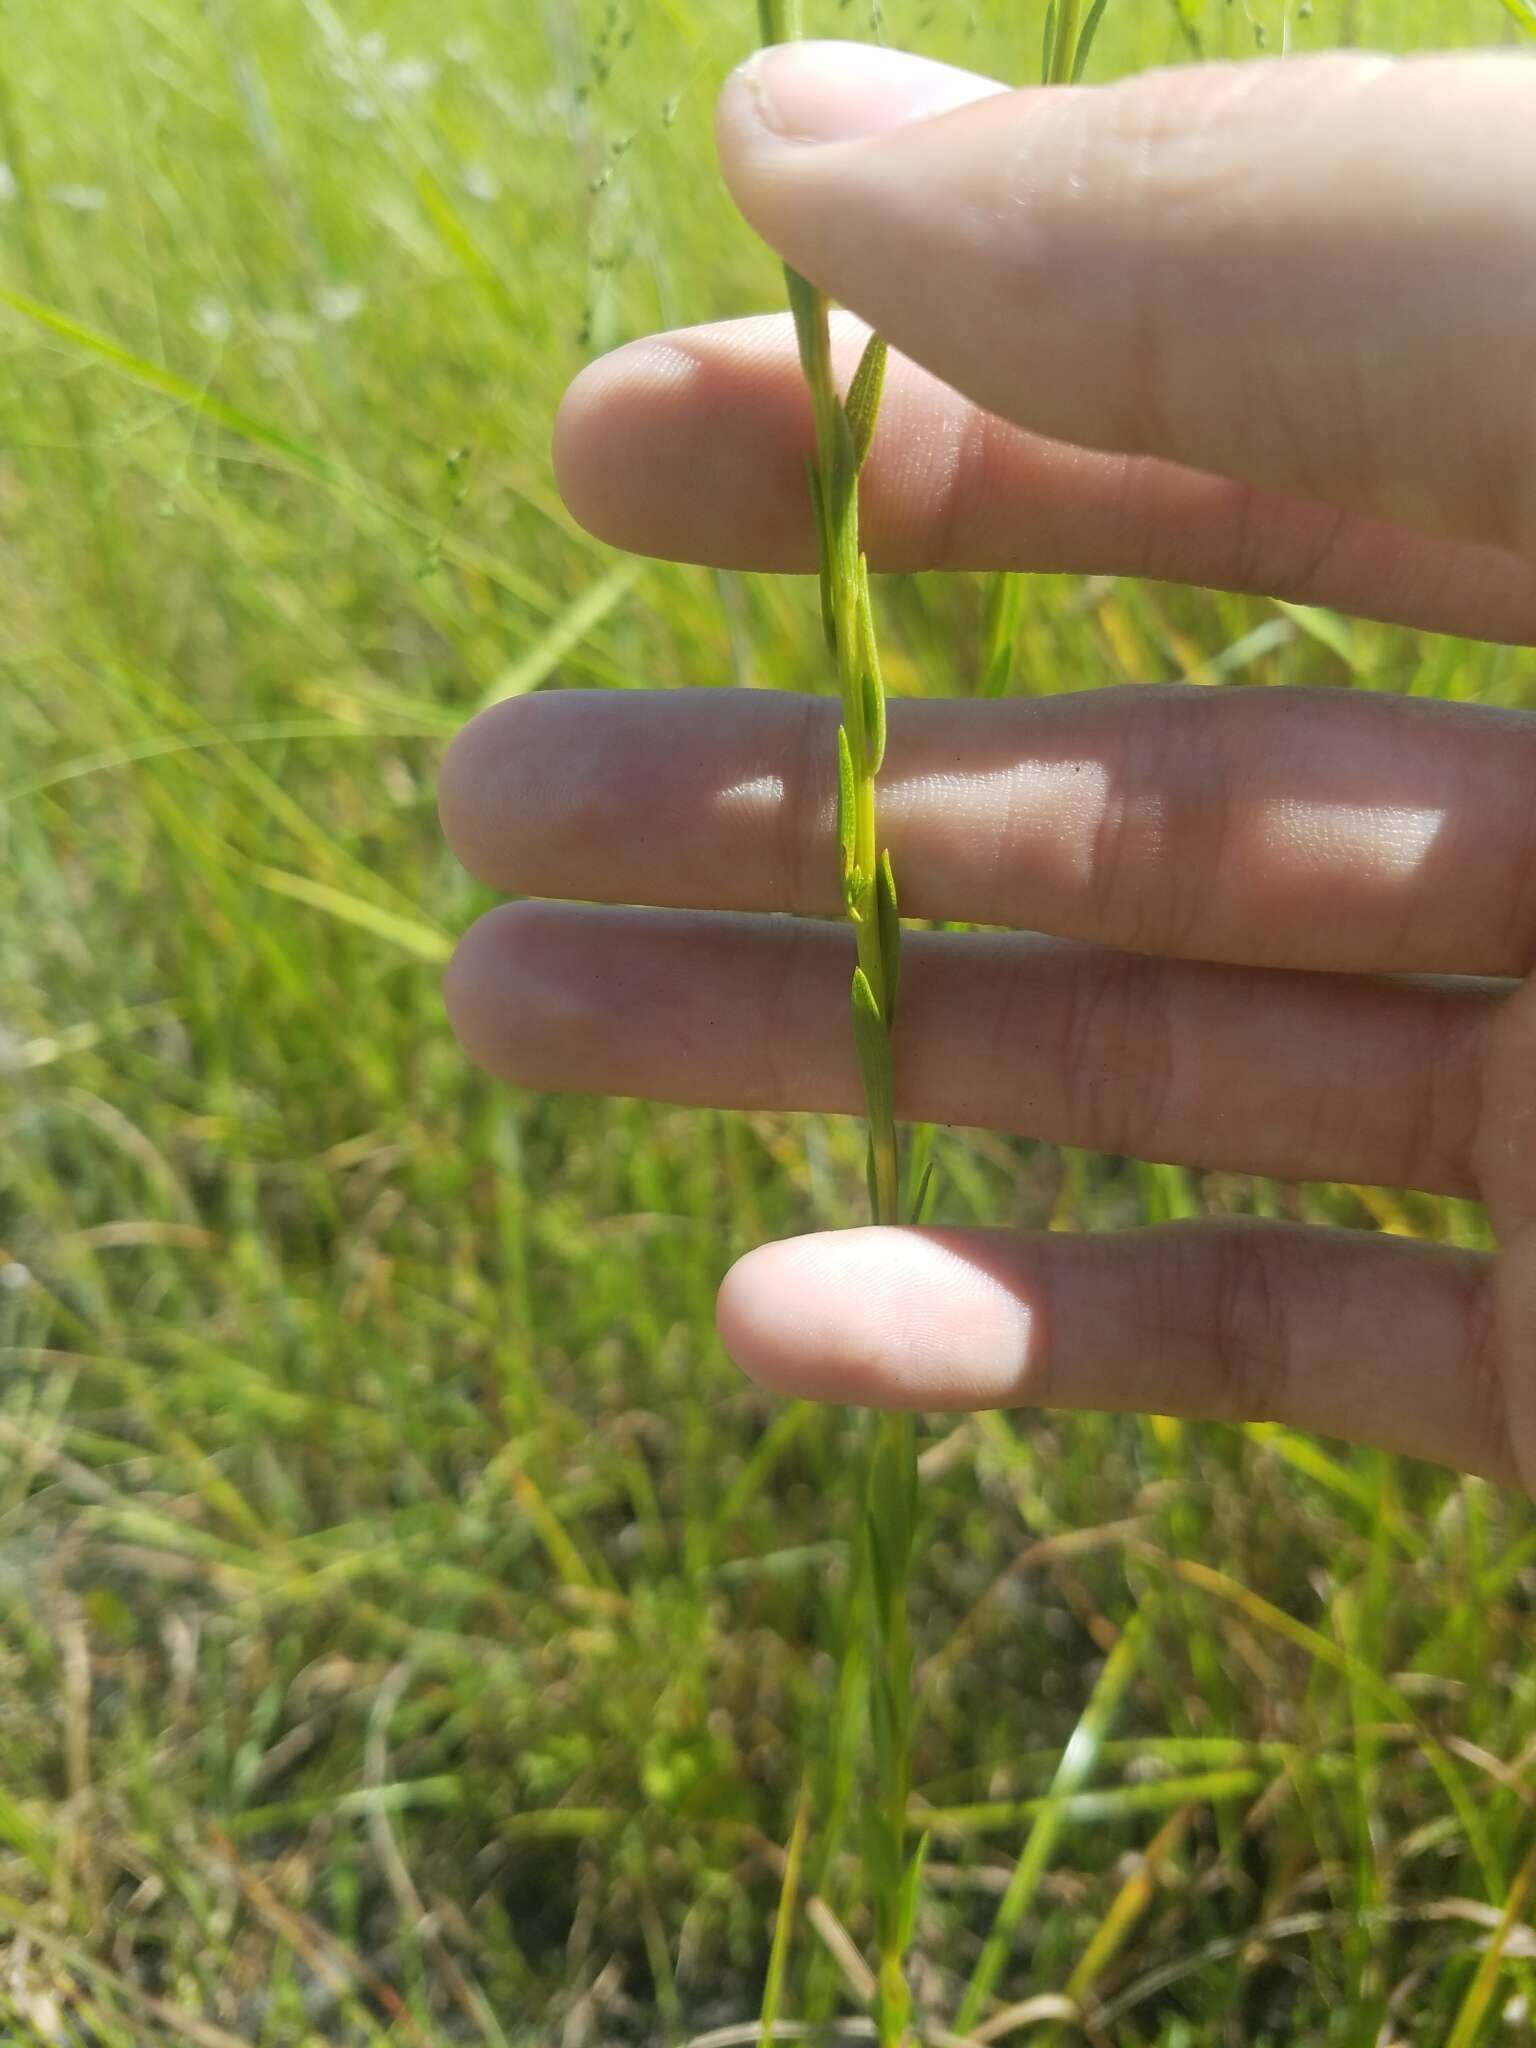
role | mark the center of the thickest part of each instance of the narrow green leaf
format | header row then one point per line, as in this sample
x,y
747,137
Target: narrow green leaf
x,y
841,489
808,308
1077,1760
890,1505
1048,42
778,21
874,715
1059,68
882,1855
872,1177
1000,634
922,1202
1523,14
889,924
1474,2008
565,633
823,555
1109,1802
863,401
180,389
847,827
911,1892
1327,628
784,1923
919,1159
873,1044
460,240
412,936
1085,41
828,610
22,1834
883,1580
871,682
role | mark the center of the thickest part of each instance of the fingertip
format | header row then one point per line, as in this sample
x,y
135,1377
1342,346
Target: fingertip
x,y
818,91
880,1318
579,445
784,117
452,775
778,1316
665,448
461,796
611,431
459,987
476,985
498,811
756,1315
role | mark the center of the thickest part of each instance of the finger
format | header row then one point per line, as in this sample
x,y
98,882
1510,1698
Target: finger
x,y
1328,829
693,446
1307,275
1370,1338
1301,1076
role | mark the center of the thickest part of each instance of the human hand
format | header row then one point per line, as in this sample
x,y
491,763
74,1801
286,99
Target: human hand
x,y
1276,322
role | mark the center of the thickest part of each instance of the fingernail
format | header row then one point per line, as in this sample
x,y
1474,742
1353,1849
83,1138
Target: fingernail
x,y
840,92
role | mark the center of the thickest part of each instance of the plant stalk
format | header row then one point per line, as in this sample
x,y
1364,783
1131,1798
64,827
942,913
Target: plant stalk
x,y
844,427
1063,52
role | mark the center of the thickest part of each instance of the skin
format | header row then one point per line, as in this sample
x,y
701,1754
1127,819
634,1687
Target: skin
x,y
1265,327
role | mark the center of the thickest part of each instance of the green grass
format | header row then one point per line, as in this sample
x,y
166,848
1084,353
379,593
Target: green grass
x,y
411,1628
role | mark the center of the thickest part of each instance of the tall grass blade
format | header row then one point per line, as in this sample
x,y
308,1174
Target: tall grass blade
x,y
423,941
1000,633
156,378
1063,46
566,632
778,21
1267,1615
1085,41
1077,1761
1474,2007
784,1922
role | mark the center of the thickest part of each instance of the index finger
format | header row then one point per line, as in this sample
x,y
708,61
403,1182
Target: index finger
x,y
1310,275
693,445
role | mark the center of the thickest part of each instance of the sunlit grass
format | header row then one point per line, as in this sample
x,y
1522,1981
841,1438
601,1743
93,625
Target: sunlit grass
x,y
411,1628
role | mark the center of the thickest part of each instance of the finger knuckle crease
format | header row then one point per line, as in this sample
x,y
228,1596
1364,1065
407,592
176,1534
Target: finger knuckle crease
x,y
788,1002
1448,1109
1250,1331
1482,1373
965,484
1118,1053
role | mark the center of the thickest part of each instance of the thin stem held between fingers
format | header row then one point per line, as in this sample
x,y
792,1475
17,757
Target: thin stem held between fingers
x,y
844,430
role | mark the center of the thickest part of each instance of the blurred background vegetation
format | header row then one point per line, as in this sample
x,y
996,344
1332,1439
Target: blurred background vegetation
x,y
411,1628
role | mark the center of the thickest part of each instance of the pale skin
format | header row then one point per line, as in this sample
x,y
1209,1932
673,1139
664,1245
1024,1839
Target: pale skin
x,y
1266,328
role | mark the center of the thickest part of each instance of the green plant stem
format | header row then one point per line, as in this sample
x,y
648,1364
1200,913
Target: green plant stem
x,y
844,428
843,431
1064,43
870,898
778,21
1076,1761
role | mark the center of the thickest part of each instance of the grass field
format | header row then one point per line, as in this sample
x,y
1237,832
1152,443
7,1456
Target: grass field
x,y
411,1627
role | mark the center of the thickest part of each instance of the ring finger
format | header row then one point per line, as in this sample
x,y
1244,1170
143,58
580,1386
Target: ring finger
x,y
1301,1076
